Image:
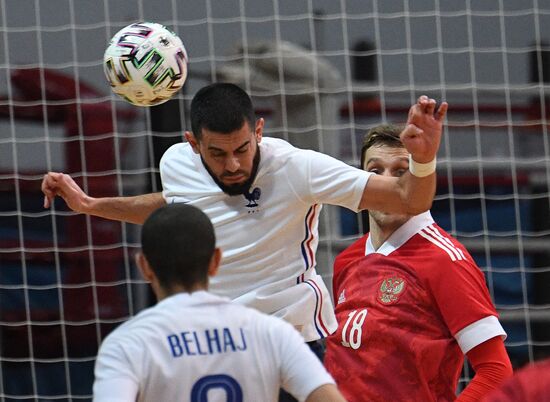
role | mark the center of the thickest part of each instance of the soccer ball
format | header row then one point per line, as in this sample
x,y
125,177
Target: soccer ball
x,y
145,63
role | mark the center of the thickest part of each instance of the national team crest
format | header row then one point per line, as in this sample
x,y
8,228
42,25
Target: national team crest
x,y
390,290
253,197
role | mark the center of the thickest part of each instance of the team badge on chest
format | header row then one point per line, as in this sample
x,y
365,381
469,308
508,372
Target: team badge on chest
x,y
253,197
390,290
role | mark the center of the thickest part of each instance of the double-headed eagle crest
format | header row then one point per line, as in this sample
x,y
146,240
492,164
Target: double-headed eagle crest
x,y
390,289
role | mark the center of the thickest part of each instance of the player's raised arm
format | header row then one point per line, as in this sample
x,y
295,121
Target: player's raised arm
x,y
413,192
127,209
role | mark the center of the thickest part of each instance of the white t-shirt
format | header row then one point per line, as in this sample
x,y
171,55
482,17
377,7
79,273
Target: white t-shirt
x,y
195,347
270,237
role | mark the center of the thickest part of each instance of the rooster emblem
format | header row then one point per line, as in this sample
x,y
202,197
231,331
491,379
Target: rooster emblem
x,y
252,197
390,289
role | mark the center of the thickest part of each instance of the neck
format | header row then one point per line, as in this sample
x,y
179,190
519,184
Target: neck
x,y
379,234
162,293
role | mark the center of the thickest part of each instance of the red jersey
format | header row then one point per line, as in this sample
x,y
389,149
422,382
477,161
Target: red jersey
x,y
530,384
407,313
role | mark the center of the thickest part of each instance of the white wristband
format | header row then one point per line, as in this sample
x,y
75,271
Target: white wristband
x,y
421,169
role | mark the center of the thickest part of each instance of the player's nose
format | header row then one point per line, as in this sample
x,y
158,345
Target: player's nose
x,y
232,164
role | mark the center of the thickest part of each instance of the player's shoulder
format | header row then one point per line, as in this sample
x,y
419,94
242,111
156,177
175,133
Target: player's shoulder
x,y
142,319
434,251
281,159
276,149
131,334
439,243
352,253
175,153
276,143
277,152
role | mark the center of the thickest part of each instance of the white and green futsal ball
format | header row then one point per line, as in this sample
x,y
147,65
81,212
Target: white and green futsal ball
x,y
145,63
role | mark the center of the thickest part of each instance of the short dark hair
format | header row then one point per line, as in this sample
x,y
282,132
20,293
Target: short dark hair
x,y
384,134
178,241
222,108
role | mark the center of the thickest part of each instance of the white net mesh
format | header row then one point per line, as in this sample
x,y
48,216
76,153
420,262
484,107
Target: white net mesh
x,y
322,73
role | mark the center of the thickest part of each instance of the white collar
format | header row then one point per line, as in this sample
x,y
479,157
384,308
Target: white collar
x,y
191,299
401,235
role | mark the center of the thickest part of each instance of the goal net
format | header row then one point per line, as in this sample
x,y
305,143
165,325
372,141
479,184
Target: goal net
x,y
321,73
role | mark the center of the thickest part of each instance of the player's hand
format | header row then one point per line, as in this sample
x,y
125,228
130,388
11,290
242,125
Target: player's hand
x,y
422,134
63,185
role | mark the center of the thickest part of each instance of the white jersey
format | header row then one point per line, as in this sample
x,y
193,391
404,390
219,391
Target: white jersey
x,y
269,237
196,347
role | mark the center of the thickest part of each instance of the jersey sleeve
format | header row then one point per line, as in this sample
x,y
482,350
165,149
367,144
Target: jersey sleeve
x,y
115,379
327,180
301,371
462,297
178,174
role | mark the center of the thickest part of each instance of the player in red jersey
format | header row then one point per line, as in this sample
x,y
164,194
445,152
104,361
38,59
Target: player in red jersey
x,y
530,384
410,303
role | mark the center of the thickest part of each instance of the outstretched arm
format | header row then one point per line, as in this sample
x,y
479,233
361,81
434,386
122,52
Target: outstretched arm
x,y
127,209
413,192
326,393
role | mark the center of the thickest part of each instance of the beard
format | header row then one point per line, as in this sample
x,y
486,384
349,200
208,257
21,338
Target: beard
x,y
237,188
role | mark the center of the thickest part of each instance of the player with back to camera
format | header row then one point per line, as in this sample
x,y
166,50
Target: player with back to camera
x,y
410,303
193,345
264,197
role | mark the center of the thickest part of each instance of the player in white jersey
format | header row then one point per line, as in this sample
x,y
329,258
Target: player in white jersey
x,y
264,197
270,257
195,346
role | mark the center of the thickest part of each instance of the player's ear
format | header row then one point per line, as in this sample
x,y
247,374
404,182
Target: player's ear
x,y
192,140
259,129
144,267
215,262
